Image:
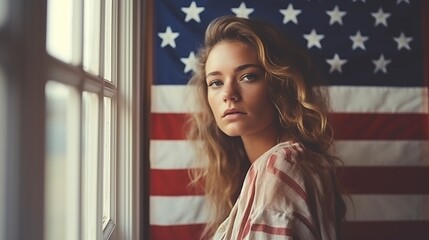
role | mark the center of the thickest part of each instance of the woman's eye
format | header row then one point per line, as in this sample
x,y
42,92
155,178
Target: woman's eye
x,y
215,83
249,77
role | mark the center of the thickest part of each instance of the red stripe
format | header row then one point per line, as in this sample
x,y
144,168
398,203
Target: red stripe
x,y
355,180
172,183
168,126
272,230
359,126
285,178
192,231
385,180
347,126
392,230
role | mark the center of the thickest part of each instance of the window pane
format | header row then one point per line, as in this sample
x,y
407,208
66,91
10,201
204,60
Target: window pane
x,y
62,162
107,176
108,40
90,166
91,43
3,138
63,30
3,13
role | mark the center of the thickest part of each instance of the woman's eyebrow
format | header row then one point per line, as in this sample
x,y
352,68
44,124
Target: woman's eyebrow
x,y
215,73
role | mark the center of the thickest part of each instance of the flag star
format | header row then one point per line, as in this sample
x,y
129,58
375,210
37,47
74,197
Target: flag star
x,y
336,16
168,37
190,62
242,11
336,63
380,64
290,14
403,41
313,39
192,12
358,41
380,17
405,1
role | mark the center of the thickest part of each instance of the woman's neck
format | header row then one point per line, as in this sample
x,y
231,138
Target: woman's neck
x,y
257,144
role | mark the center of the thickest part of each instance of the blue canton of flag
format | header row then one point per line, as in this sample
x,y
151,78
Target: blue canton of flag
x,y
354,42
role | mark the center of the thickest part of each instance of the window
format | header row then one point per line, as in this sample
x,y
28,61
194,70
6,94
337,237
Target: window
x,y
3,137
62,162
89,117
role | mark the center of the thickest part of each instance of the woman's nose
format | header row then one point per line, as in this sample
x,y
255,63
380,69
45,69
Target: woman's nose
x,y
231,93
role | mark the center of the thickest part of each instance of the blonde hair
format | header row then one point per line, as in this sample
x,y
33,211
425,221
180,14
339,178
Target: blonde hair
x,y
302,114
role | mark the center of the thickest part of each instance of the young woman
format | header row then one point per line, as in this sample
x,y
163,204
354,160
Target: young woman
x,y
262,128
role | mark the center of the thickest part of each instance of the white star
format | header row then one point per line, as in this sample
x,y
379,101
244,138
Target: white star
x,y
336,16
313,39
242,11
192,12
190,62
380,17
336,63
168,37
405,1
358,41
380,64
290,14
403,41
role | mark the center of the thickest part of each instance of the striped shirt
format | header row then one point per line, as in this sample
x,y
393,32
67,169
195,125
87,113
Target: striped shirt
x,y
274,203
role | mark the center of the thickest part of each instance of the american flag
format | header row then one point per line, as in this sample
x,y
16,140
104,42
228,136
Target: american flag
x,y
375,57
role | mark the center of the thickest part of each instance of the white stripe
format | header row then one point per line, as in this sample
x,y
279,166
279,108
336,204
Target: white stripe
x,y
167,211
171,154
387,208
173,99
170,99
383,153
179,154
178,210
378,99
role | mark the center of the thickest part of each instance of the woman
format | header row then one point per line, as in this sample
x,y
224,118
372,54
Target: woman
x,y
262,128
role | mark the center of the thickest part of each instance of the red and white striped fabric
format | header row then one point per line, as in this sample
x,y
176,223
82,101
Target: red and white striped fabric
x,y
274,202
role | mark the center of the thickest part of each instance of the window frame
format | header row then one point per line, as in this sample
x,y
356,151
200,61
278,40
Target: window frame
x,y
27,67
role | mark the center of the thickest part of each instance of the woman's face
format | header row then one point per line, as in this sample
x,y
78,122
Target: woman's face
x,y
238,91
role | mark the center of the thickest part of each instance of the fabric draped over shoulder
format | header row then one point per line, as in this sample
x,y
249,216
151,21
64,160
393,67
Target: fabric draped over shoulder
x,y
274,202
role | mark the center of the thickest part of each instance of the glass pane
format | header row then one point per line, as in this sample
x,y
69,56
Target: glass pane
x,y
62,162
91,40
107,176
108,40
3,13
3,138
63,30
90,166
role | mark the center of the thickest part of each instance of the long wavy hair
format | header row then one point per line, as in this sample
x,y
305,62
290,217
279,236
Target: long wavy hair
x,y
301,110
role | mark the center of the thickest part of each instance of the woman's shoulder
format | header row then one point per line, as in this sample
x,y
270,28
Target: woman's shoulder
x,y
284,164
283,178
289,152
280,161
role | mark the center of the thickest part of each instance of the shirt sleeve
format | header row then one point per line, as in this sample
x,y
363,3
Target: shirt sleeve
x,y
276,225
281,208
